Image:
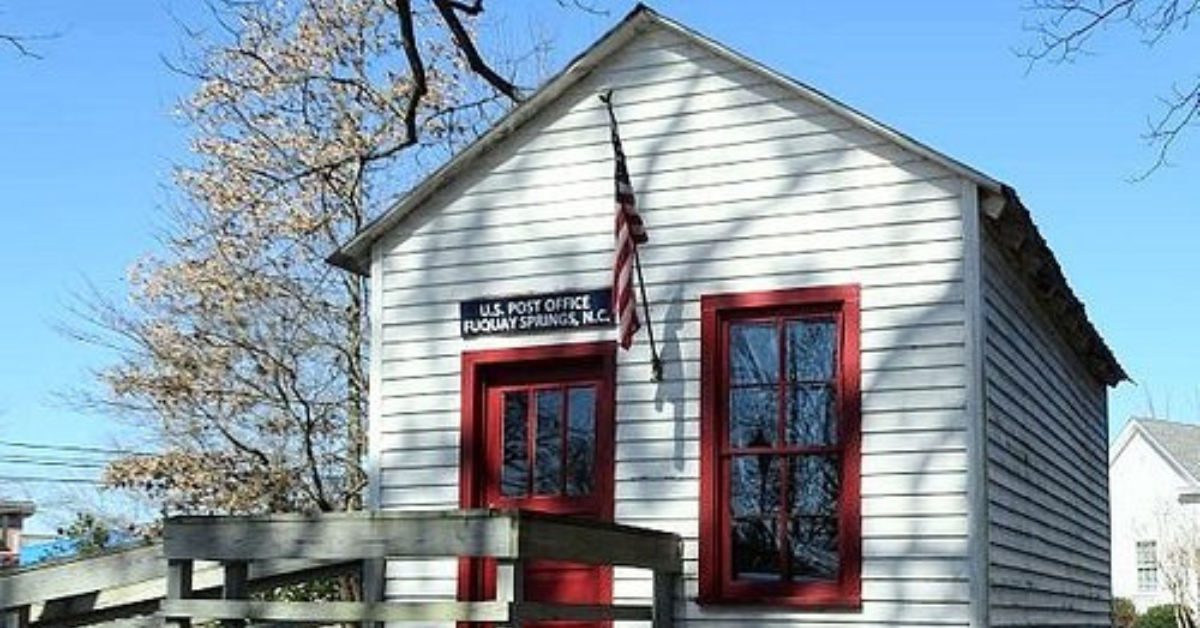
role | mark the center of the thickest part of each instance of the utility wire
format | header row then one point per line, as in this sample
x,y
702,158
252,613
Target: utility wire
x,y
73,448
49,462
48,480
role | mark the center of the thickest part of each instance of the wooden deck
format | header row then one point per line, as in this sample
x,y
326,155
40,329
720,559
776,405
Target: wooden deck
x,y
207,567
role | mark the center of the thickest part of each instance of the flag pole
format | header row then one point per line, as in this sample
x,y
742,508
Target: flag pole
x,y
656,367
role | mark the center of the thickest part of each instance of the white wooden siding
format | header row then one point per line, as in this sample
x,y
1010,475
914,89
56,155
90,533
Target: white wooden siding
x,y
743,187
1047,465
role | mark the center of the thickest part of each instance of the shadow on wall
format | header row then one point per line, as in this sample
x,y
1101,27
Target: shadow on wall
x,y
670,391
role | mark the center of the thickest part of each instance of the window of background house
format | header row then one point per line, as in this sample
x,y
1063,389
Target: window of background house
x,y
780,448
1147,565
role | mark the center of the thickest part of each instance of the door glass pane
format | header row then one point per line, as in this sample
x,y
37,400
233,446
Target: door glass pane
x,y
814,554
756,484
753,353
812,349
514,474
753,416
812,415
756,549
547,478
581,439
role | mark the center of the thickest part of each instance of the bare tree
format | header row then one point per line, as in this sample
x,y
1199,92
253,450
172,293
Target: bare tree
x,y
1178,558
1065,28
240,348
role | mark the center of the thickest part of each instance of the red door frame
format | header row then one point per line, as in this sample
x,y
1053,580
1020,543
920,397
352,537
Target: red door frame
x,y
484,369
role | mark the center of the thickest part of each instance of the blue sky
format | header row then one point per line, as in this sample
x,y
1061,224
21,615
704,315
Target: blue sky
x,y
87,141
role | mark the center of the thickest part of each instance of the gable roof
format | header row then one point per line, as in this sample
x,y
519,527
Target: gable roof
x,y
999,202
1178,442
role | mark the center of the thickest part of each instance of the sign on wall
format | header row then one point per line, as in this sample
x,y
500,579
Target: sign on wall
x,y
536,312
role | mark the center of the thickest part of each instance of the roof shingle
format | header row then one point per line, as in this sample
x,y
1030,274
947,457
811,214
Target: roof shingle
x,y
1180,440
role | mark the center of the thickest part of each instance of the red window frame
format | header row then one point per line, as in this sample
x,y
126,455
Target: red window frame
x,y
717,585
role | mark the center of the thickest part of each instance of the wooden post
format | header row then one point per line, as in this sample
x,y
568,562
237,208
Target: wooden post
x,y
179,586
510,587
373,576
664,598
237,576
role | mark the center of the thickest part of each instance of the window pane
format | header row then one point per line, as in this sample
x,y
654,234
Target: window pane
x,y
813,544
1146,551
812,349
1147,566
753,353
547,477
514,475
753,417
755,550
812,415
756,484
814,485
581,439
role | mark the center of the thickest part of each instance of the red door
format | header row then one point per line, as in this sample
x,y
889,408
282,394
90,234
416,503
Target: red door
x,y
540,438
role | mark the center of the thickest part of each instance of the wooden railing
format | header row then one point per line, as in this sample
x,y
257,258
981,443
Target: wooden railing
x,y
206,568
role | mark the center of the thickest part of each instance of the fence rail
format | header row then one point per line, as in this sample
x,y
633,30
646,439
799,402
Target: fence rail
x,y
207,567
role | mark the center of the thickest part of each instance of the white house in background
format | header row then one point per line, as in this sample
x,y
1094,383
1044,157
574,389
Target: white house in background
x,y
882,403
1153,470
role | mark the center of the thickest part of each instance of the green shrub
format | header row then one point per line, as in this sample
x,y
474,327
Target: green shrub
x,y
1161,616
1124,613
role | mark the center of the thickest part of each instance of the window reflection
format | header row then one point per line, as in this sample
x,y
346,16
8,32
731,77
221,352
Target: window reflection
x,y
753,354
812,415
562,430
514,474
815,485
756,484
547,470
814,554
581,440
782,433
812,349
753,416
756,549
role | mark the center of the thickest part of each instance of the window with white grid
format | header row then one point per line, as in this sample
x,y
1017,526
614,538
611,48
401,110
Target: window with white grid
x,y
1147,566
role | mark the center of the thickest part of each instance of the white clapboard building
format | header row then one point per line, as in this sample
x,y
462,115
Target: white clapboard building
x,y
881,403
1155,494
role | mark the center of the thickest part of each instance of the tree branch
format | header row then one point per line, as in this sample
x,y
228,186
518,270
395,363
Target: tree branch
x,y
18,43
467,45
475,8
1062,45
1182,111
416,65
1068,25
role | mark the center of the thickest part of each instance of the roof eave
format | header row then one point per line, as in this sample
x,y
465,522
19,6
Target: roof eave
x,y
999,202
1033,260
355,255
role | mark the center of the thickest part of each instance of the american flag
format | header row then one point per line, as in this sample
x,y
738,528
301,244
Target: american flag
x,y
630,232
